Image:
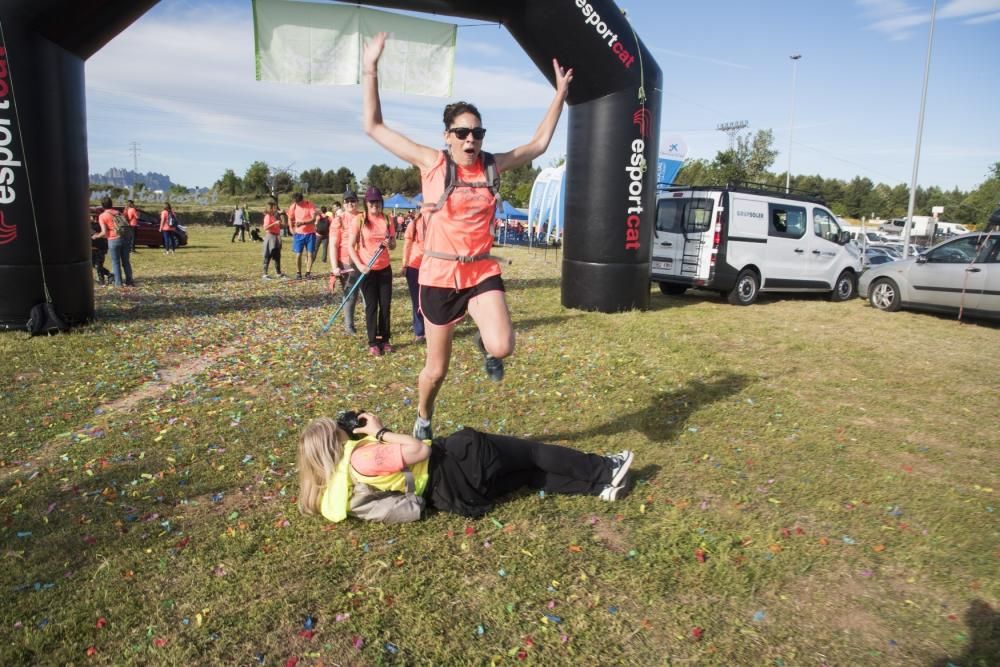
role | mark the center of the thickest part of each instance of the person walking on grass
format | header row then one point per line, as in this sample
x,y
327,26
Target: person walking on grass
x,y
168,227
241,221
371,232
302,217
413,252
345,272
272,240
347,461
457,273
132,214
113,228
323,233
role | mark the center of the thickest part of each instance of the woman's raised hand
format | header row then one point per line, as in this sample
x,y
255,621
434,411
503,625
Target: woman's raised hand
x,y
373,51
563,77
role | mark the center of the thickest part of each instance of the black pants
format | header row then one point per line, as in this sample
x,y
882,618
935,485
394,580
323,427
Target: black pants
x,y
272,251
377,290
470,470
241,230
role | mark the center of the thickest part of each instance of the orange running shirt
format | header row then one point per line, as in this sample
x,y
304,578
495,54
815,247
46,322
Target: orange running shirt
x,y
304,212
461,227
133,216
378,459
164,227
271,225
414,236
107,222
347,222
373,233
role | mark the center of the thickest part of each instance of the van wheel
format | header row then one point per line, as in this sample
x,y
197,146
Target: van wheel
x,y
672,290
745,291
884,295
845,288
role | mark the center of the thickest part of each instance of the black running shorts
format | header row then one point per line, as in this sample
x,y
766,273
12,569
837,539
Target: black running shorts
x,y
443,305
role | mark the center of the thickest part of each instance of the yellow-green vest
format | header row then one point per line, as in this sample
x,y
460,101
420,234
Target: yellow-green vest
x,y
336,499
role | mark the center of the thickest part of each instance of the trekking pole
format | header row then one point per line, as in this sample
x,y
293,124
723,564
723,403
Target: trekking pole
x,y
352,290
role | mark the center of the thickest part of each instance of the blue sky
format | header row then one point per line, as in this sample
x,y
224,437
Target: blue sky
x,y
180,82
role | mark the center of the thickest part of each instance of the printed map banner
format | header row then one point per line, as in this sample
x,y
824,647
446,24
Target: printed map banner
x,y
312,43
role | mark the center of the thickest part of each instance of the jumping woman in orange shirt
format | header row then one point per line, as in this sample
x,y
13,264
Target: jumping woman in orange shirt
x,y
457,273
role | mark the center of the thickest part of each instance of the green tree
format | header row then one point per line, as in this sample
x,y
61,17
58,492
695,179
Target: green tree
x,y
176,189
282,182
695,172
985,199
312,179
229,184
255,181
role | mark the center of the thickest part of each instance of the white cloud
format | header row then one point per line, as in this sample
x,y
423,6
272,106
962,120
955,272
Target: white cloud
x,y
896,18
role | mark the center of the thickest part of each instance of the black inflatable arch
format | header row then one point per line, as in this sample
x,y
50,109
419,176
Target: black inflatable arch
x,y
613,132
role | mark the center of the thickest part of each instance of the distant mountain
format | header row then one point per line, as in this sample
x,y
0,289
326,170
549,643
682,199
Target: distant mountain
x,y
123,178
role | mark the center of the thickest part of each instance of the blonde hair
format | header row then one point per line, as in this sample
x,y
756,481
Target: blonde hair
x,y
319,453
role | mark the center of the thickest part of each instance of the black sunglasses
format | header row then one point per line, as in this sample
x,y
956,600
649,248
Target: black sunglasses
x,y
463,132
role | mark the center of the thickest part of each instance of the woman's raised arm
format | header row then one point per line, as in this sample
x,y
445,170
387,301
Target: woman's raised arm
x,y
371,113
543,135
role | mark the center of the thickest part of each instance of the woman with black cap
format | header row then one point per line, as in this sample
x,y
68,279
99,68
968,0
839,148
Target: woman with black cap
x,y
372,237
457,273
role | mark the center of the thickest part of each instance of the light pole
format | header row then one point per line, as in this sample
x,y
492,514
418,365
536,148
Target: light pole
x,y
791,122
920,133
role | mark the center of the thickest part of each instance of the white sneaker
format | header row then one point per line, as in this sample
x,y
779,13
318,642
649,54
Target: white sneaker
x,y
265,277
620,464
610,493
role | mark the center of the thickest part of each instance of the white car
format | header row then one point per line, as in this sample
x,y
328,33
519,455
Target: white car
x,y
962,273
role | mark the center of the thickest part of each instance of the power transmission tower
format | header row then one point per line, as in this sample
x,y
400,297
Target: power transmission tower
x,y
732,128
135,148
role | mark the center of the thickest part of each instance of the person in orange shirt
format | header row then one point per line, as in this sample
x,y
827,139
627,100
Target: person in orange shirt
x,y
344,271
168,223
302,218
413,252
133,221
117,246
272,240
457,273
369,233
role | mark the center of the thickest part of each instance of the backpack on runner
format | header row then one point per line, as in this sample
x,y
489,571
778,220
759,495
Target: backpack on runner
x,y
120,224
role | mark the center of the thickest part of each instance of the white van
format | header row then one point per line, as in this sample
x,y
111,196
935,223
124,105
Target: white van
x,y
741,241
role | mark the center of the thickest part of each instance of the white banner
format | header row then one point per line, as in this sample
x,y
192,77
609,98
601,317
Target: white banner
x,y
312,43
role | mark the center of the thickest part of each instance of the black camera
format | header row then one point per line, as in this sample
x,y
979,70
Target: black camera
x,y
350,420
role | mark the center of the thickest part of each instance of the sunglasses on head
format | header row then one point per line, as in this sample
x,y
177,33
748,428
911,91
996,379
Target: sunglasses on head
x,y
463,132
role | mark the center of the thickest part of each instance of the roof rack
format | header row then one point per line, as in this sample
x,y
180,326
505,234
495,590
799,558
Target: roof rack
x,y
750,187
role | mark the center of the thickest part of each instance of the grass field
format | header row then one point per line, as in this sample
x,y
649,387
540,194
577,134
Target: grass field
x,y
816,483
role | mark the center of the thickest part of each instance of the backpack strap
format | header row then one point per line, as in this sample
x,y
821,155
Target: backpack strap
x,y
465,259
451,178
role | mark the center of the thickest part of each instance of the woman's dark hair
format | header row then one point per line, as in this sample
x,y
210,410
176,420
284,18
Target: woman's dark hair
x,y
297,197
107,203
457,109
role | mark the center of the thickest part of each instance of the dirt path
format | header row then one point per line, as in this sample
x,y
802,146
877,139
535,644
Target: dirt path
x,y
150,390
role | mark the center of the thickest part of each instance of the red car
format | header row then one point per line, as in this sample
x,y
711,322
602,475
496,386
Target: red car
x,y
148,232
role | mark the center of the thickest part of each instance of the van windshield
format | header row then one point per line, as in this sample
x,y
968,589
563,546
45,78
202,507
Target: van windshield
x,y
684,215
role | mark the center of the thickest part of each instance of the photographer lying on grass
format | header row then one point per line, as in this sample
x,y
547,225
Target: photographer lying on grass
x,y
354,465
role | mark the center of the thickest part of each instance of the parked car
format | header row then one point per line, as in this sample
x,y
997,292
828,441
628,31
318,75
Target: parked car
x,y
148,232
873,258
960,273
885,249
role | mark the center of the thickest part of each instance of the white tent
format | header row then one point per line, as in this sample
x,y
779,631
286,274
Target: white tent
x,y
546,206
